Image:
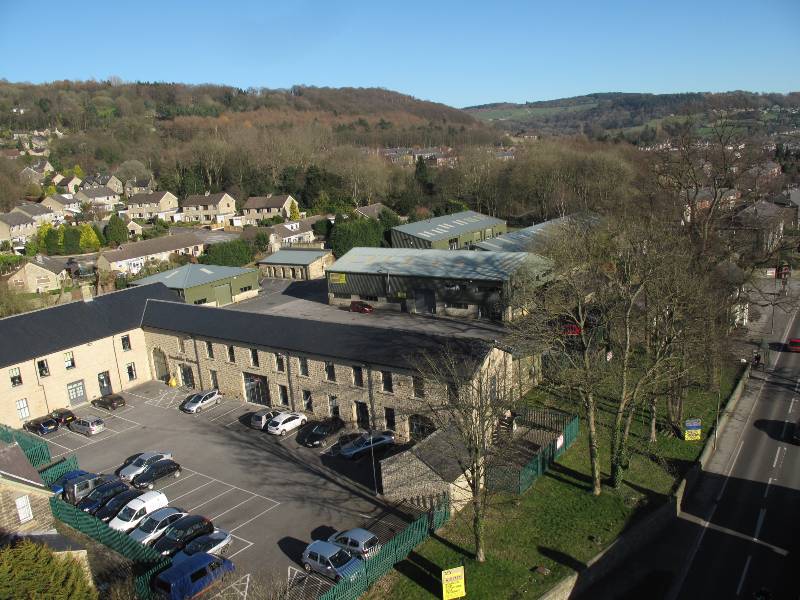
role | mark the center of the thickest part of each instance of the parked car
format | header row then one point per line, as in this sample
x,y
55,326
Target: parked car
x,y
191,577
58,485
217,542
361,543
137,509
319,434
367,442
286,422
181,532
77,488
332,561
109,402
42,425
63,416
88,426
200,401
260,419
361,307
98,497
154,472
113,506
140,463
793,345
155,524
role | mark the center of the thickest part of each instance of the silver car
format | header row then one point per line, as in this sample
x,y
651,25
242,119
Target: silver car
x,y
144,460
155,524
201,400
88,426
358,542
367,442
217,543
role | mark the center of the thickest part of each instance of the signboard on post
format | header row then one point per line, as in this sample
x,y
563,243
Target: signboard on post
x,y
692,429
453,585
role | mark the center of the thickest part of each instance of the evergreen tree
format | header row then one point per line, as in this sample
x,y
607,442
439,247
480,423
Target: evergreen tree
x,y
52,243
72,240
294,212
99,233
29,570
232,254
116,232
89,242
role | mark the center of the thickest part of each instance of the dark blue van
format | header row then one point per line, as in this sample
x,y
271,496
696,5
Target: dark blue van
x,y
58,485
191,576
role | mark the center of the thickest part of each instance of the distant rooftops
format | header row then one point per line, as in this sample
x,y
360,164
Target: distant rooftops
x,y
98,192
449,226
157,245
151,198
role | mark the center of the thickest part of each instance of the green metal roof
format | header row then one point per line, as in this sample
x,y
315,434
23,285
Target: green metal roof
x,y
449,226
293,257
444,264
191,275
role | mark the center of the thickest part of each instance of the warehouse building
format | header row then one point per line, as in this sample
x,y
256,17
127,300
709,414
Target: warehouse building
x,y
459,283
450,232
296,264
210,285
528,239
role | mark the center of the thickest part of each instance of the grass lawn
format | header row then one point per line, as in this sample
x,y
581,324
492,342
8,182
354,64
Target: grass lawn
x,y
557,523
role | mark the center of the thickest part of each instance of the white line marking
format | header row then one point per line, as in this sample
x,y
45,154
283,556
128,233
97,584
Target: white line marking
x,y
766,489
777,453
191,491
57,444
231,423
194,508
231,485
180,479
225,413
783,431
253,519
249,544
762,513
791,405
744,574
230,509
728,474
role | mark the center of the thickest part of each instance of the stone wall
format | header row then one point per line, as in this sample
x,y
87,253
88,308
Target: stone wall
x,y
39,500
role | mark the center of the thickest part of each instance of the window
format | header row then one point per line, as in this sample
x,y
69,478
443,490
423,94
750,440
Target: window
x,y
386,377
23,412
419,387
15,377
198,575
452,392
254,357
388,415
358,377
201,301
461,305
369,298
453,243
246,288
181,345
333,406
231,354
213,376
330,371
131,369
209,350
24,509
307,402
283,392
41,366
303,366
126,343
341,296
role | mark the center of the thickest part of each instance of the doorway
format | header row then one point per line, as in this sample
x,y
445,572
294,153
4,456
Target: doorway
x,y
362,415
160,365
104,382
187,376
256,389
76,392
424,301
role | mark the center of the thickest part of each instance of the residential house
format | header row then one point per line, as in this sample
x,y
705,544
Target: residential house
x,y
38,275
152,205
209,285
143,185
24,498
62,205
266,207
397,156
208,209
789,208
16,227
70,183
10,153
756,229
132,256
371,211
110,181
101,197
459,230
36,171
297,264
40,213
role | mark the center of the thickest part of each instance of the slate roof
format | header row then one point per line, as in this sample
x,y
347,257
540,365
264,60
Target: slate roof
x,y
357,343
14,465
257,202
371,211
157,245
34,209
151,198
189,276
293,257
54,265
445,264
49,330
445,453
13,219
62,199
448,226
98,192
202,200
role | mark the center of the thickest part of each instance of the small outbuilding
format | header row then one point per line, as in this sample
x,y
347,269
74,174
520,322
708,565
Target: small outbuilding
x,y
210,285
296,264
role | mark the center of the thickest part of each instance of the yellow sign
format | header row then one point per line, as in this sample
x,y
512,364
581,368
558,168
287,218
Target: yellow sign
x,y
691,434
338,277
453,585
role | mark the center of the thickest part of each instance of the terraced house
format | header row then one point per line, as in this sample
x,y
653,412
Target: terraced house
x,y
160,205
208,209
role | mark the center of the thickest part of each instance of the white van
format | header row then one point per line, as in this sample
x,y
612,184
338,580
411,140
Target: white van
x,y
137,509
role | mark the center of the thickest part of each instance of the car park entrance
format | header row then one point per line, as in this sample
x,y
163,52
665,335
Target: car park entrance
x,y
256,389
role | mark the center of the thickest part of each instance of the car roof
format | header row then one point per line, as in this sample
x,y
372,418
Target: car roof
x,y
91,418
146,497
151,454
358,534
286,415
163,461
189,519
324,548
164,512
84,477
179,570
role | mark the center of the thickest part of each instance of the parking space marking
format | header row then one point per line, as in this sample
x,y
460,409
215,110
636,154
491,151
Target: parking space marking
x,y
248,542
181,480
233,486
210,499
91,443
263,512
59,445
225,413
116,415
231,508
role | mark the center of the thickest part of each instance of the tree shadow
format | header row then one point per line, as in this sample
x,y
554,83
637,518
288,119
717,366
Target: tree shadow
x,y
454,547
323,532
562,558
569,476
423,572
777,430
292,548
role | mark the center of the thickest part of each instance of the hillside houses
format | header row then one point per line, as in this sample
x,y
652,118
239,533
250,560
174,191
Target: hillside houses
x,y
131,257
266,207
153,205
208,209
109,181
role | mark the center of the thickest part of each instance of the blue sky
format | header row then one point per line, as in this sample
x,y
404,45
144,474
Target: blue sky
x,y
460,53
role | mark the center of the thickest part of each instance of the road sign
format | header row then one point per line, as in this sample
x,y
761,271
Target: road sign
x,y
453,585
692,423
692,429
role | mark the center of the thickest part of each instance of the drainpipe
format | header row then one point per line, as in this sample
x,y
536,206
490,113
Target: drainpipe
x,y
371,393
289,381
197,362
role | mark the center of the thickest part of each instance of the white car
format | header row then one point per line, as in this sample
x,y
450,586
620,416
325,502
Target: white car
x,y
137,509
199,401
286,422
155,524
140,463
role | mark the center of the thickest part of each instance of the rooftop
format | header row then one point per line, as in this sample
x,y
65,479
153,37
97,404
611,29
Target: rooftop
x,y
54,265
448,226
189,276
203,200
151,198
533,238
371,211
34,209
98,192
448,264
157,245
293,257
14,219
256,202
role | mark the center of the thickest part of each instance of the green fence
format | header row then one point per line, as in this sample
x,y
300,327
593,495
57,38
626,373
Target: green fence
x,y
34,448
52,472
391,553
142,581
516,479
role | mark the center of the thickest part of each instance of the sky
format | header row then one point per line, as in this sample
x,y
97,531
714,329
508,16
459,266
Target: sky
x,y
460,53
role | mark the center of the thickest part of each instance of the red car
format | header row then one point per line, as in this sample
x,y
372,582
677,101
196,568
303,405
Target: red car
x,y
794,345
360,307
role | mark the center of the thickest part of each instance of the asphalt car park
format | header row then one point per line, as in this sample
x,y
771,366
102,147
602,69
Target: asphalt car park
x,y
271,494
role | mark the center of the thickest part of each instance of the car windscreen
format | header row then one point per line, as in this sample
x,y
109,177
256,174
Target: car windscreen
x,y
340,559
127,513
149,525
371,542
321,429
274,423
174,534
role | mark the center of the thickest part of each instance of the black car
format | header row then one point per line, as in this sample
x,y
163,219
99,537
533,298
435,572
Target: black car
x,y
319,433
109,402
42,425
181,532
116,504
100,495
156,471
62,416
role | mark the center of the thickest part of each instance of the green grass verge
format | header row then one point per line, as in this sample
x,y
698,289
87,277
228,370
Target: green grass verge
x,y
557,523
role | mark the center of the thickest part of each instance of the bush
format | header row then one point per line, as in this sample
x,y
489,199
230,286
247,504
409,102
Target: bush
x,y
355,232
231,254
29,570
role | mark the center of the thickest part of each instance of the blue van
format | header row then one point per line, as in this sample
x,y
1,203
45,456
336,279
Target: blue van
x,y
58,485
191,576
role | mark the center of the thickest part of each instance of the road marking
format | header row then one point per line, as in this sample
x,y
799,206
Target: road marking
x,y
766,489
248,542
777,453
744,574
176,482
194,508
263,512
730,469
191,491
783,431
231,508
791,405
225,413
59,445
762,513
231,485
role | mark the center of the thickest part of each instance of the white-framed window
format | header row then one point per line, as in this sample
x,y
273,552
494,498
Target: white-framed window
x,y
69,360
15,376
24,509
131,368
23,412
126,343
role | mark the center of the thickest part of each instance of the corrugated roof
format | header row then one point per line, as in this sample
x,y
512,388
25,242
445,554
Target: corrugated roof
x,y
293,257
445,264
448,226
534,238
189,276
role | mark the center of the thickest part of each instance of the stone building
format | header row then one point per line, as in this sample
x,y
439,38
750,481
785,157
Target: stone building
x,y
24,499
40,274
296,264
208,209
160,205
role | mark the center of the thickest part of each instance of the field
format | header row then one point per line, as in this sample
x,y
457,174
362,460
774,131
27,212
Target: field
x,y
524,113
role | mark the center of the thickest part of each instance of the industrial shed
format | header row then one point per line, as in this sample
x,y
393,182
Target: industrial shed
x,y
210,285
453,232
296,264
